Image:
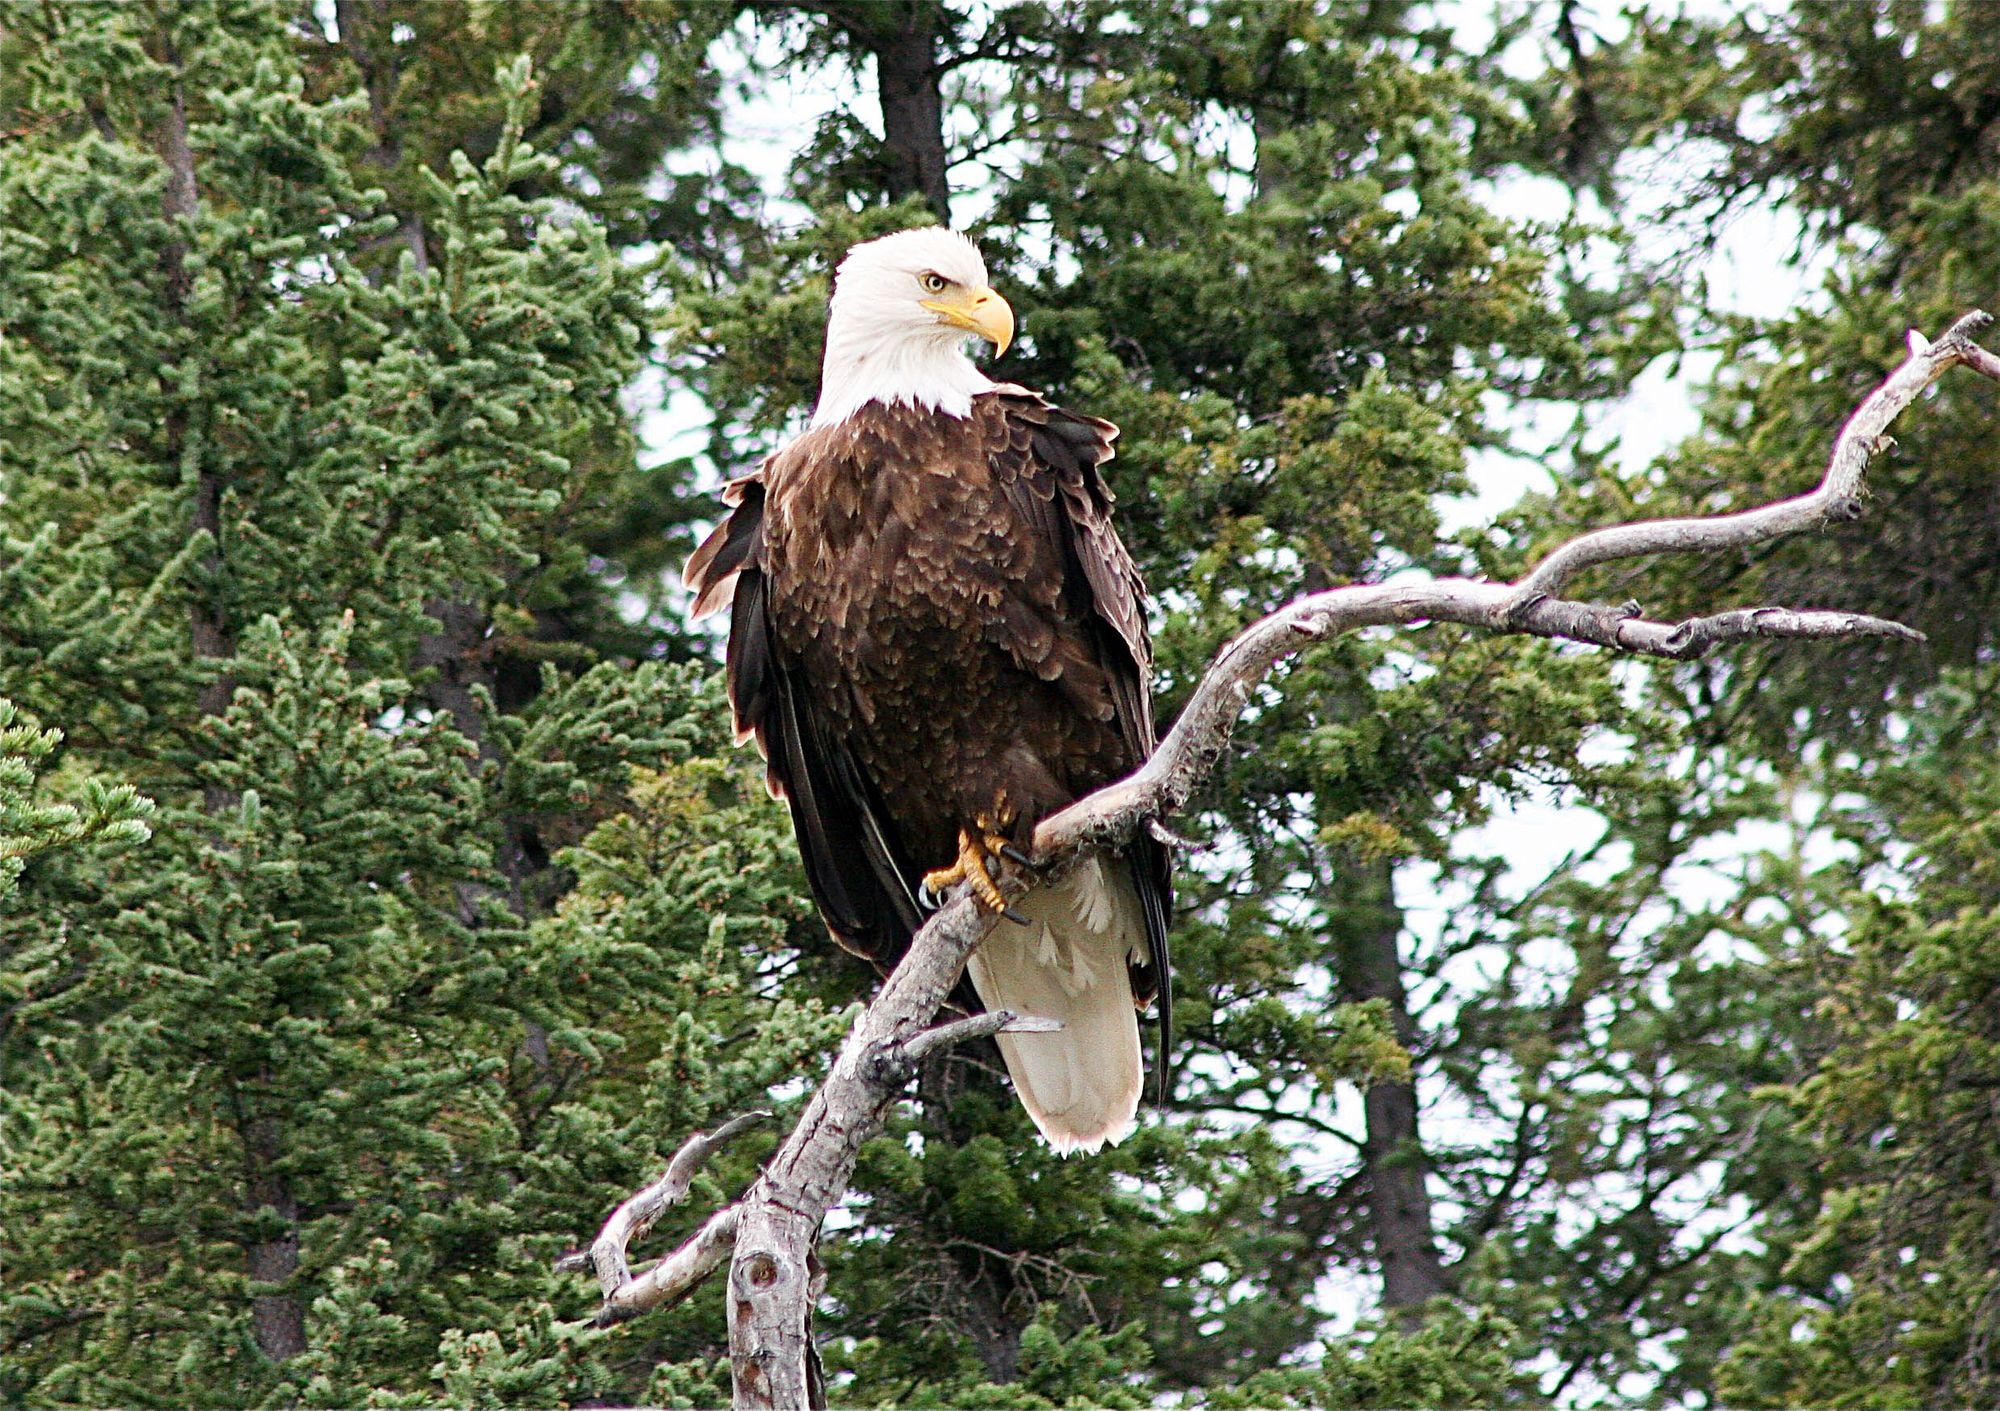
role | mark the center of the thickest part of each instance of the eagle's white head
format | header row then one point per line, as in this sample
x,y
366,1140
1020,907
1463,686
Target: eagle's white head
x,y
902,309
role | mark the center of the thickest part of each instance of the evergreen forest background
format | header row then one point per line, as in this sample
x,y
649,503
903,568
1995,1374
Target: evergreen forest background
x,y
383,900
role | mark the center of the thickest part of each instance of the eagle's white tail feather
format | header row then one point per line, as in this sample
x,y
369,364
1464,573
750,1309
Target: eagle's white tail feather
x,y
1081,1085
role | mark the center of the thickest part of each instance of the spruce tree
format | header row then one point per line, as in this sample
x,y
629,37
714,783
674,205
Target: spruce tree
x,y
296,1090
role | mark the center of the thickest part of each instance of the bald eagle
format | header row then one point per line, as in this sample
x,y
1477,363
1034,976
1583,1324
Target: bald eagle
x,y
937,640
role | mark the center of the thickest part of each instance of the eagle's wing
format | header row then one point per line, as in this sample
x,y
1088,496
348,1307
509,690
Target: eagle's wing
x,y
1050,472
859,876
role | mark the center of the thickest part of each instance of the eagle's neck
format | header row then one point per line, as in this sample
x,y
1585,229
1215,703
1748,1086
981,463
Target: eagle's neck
x,y
927,369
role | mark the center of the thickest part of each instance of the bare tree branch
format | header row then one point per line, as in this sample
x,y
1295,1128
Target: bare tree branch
x,y
774,1279
978,1026
676,1276
636,1217
876,1064
1189,752
1838,495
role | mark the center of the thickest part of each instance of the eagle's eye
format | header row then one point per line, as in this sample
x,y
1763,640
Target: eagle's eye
x,y
933,282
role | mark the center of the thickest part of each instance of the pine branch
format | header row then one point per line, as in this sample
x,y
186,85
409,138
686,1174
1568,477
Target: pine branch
x,y
773,1278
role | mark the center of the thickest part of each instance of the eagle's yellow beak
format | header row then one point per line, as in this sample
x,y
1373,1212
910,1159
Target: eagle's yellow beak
x,y
979,311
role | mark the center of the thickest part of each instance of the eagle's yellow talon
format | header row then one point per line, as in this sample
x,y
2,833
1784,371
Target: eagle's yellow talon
x,y
974,865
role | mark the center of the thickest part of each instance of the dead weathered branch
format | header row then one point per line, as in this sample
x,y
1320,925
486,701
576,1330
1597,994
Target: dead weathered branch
x,y
774,1279
874,1061
675,1276
1201,733
1838,496
977,1026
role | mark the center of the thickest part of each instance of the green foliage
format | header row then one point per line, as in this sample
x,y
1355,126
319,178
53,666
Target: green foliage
x,y
105,813
279,518
1883,1297
1455,1360
1083,1369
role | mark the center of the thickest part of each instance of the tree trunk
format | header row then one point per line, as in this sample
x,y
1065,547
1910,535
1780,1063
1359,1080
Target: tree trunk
x,y
902,39
906,72
366,33
1399,1204
456,653
208,631
455,656
771,1298
277,1319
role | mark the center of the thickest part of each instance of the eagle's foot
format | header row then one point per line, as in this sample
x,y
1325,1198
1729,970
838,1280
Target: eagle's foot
x,y
976,854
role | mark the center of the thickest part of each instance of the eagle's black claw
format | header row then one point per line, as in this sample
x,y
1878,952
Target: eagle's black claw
x,y
1014,854
926,898
1015,916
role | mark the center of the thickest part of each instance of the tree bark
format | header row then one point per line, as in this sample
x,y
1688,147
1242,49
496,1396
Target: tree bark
x,y
907,78
773,1280
1392,1151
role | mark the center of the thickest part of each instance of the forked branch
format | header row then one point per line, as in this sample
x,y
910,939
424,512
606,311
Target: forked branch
x,y
1838,496
874,1060
606,1257
1200,734
774,1278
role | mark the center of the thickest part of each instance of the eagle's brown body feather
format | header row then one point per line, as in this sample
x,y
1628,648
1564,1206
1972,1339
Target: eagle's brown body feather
x,y
934,623
921,596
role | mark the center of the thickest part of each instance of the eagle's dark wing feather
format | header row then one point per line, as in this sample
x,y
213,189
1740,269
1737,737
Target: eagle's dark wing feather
x,y
1055,481
860,880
